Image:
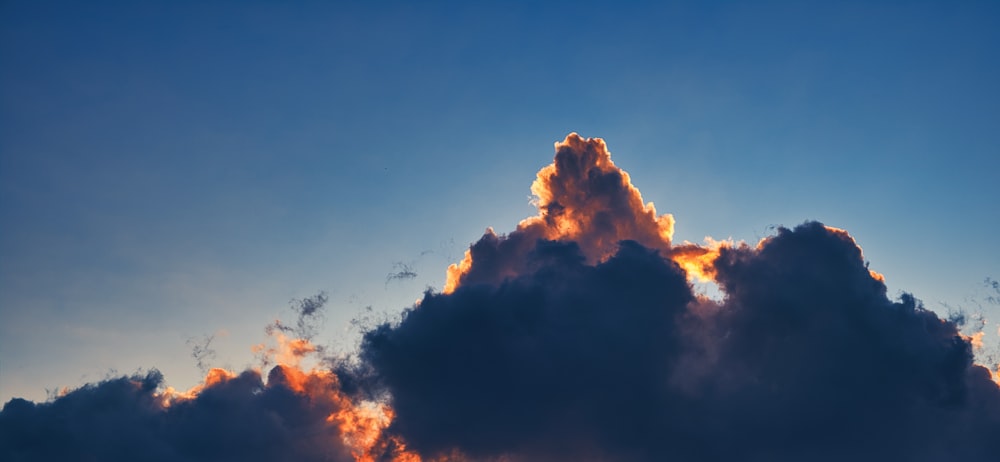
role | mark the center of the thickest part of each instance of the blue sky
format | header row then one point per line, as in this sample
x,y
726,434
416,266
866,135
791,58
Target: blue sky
x,y
170,169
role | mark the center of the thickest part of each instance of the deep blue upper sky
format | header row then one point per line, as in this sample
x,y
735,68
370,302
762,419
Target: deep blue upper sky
x,y
173,169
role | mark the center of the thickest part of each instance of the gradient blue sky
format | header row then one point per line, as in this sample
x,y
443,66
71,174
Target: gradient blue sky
x,y
175,169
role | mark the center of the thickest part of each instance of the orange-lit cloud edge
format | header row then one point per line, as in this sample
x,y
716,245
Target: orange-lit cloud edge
x,y
568,211
359,423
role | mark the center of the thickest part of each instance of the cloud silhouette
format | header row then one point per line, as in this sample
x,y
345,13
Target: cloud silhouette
x,y
546,346
805,358
238,418
577,337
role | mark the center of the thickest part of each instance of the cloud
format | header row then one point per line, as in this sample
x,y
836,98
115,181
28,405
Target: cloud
x,y
295,414
126,419
576,337
581,197
805,358
400,272
538,361
548,348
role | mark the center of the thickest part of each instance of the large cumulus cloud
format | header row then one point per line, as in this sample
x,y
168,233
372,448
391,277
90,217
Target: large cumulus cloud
x,y
805,359
578,337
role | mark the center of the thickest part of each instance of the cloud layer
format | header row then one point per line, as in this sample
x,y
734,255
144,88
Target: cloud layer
x,y
578,337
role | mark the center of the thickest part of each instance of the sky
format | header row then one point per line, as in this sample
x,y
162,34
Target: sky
x,y
171,171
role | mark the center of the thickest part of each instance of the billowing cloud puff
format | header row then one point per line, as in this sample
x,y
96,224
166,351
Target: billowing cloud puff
x,y
581,197
539,361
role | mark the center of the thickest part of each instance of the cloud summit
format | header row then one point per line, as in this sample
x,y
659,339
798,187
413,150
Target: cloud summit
x,y
579,337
